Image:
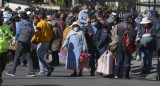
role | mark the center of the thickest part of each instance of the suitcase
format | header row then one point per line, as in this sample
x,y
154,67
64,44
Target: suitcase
x,y
105,63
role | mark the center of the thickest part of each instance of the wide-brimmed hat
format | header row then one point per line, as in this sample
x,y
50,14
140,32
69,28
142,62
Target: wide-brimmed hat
x,y
74,23
145,21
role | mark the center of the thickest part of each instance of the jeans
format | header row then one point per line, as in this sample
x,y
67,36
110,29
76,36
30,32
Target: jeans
x,y
123,56
146,60
3,62
55,57
41,50
23,50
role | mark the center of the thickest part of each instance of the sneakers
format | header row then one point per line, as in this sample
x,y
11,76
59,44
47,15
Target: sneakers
x,y
116,77
10,73
30,75
138,58
40,74
50,71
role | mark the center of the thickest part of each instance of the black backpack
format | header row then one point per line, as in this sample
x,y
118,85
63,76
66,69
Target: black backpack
x,y
25,33
128,42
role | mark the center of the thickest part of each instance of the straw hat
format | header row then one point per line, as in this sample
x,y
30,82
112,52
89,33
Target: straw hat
x,y
145,21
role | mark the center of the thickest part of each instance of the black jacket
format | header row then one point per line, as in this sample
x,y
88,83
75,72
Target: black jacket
x,y
121,28
155,21
152,30
12,26
99,39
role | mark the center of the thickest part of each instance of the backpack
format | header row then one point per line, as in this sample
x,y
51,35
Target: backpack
x,y
25,33
128,43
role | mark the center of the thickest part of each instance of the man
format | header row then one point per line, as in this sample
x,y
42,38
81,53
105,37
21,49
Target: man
x,y
43,35
155,20
23,48
34,45
96,40
133,14
5,36
60,22
83,14
123,54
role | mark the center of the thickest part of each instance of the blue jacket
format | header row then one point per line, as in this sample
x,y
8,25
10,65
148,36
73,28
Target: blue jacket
x,y
82,17
19,28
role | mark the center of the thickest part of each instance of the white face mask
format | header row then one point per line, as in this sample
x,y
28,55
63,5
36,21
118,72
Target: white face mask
x,y
86,10
49,22
5,19
94,23
76,29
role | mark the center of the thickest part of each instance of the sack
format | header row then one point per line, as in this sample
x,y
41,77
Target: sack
x,y
13,44
25,33
147,41
105,63
84,57
128,42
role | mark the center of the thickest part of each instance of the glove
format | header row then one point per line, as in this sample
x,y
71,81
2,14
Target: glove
x,y
146,35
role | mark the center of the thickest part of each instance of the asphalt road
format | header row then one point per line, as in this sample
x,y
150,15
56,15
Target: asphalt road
x,y
61,77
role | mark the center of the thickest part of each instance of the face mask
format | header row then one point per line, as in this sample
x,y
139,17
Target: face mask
x,y
5,19
76,29
94,23
85,10
49,22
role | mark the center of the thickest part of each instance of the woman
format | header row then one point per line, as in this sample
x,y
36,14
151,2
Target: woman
x,y
147,34
76,44
55,43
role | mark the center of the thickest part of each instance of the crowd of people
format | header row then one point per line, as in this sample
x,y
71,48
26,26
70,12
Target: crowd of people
x,y
67,34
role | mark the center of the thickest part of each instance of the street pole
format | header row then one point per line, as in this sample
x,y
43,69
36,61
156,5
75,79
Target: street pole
x,y
154,5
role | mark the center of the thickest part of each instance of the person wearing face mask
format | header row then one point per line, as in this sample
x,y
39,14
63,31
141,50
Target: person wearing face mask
x,y
96,39
76,43
9,20
147,36
83,14
5,36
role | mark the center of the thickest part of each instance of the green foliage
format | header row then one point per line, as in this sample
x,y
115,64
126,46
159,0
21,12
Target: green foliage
x,y
62,2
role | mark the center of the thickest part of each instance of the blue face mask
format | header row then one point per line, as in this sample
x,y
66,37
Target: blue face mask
x,y
94,23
